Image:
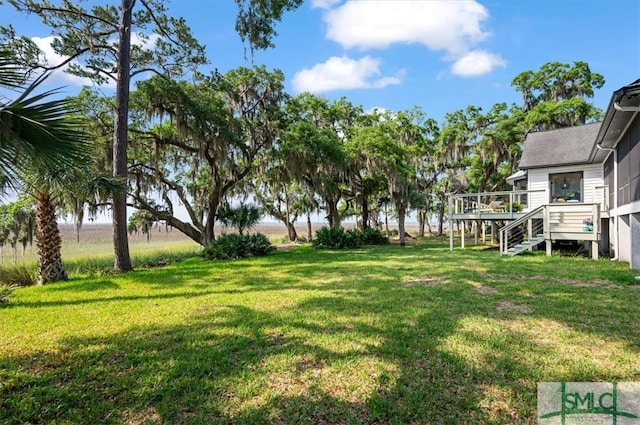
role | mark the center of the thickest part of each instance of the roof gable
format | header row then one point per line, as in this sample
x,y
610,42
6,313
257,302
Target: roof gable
x,y
564,146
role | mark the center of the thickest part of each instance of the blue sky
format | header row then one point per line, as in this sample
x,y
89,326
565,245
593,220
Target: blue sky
x,y
395,54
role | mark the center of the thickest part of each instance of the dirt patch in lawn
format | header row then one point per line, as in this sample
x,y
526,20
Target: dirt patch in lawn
x,y
602,283
486,290
509,306
592,283
427,281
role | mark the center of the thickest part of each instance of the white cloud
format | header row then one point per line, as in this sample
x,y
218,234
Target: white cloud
x,y
477,62
61,77
52,59
323,4
343,73
452,27
440,25
144,41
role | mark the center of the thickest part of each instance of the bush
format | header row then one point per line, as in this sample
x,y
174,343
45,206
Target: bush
x,y
373,237
335,238
5,292
338,238
18,275
260,245
233,246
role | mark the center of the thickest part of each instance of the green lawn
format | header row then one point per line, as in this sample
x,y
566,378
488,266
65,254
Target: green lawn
x,y
374,335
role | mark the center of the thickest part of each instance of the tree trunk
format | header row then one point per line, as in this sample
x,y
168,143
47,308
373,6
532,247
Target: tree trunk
x,y
402,212
122,260
48,242
441,219
334,216
365,213
291,232
386,221
421,220
309,228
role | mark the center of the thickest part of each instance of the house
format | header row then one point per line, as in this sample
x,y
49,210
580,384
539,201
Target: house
x,y
619,136
577,183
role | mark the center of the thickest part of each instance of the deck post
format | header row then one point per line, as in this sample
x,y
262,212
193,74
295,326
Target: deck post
x,y
475,231
595,216
494,232
450,224
462,233
511,205
484,232
547,229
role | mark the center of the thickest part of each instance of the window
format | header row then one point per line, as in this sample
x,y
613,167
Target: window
x,y
566,187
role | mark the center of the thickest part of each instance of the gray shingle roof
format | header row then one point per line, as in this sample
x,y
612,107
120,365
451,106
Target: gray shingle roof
x,y
565,146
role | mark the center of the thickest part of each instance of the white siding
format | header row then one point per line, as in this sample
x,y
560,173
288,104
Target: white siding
x,y
592,178
538,179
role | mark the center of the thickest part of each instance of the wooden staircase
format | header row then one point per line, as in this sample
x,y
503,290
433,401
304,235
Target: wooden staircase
x,y
525,245
523,234
551,222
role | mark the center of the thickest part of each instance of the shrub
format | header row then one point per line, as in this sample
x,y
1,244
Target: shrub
x,y
17,275
373,237
5,292
232,246
260,245
335,238
338,238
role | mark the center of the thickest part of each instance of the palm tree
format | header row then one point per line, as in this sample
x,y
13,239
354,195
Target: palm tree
x,y
34,129
42,150
59,189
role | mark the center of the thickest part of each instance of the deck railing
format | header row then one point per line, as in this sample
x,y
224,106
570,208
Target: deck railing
x,y
563,221
492,202
512,202
522,229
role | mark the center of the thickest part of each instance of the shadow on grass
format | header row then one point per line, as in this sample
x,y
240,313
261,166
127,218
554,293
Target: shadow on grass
x,y
364,344
234,364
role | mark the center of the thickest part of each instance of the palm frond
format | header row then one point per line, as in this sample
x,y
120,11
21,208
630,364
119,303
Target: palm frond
x,y
38,132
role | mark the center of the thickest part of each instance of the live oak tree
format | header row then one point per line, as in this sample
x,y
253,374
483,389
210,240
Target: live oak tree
x,y
279,194
555,96
313,145
211,135
390,147
98,44
17,225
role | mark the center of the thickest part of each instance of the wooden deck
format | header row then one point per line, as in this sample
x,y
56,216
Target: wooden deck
x,y
523,226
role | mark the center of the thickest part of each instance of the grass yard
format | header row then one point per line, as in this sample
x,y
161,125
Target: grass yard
x,y
374,335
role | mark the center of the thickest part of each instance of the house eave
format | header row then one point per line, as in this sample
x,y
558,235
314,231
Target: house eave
x,y
615,121
565,164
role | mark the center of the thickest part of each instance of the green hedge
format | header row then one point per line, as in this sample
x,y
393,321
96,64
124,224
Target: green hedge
x,y
338,238
232,246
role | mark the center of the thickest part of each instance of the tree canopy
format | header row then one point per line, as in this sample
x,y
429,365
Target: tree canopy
x,y
183,139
